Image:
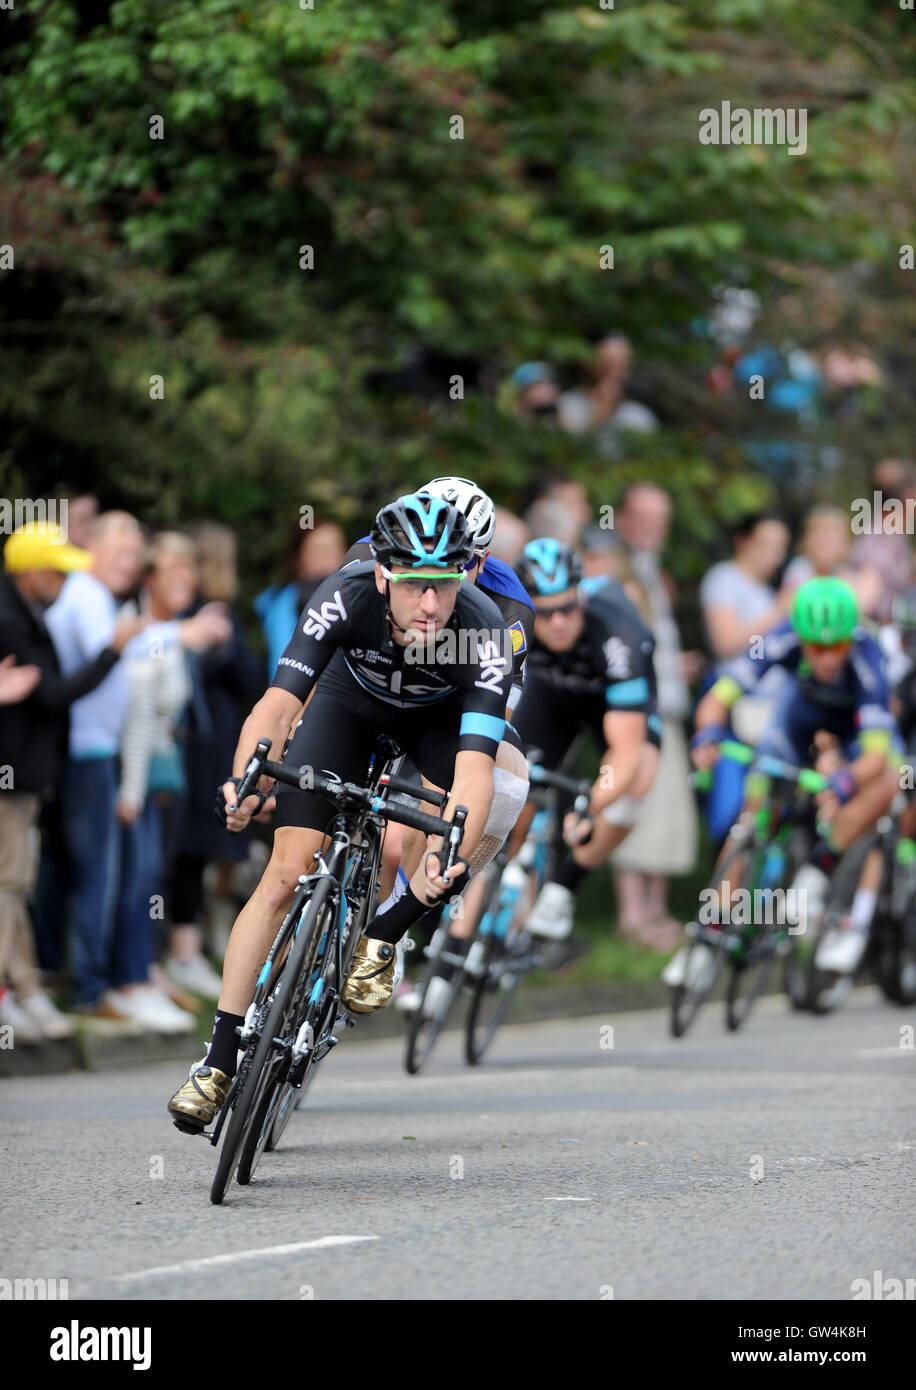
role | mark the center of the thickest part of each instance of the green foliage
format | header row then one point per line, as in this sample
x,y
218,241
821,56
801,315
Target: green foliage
x,y
333,128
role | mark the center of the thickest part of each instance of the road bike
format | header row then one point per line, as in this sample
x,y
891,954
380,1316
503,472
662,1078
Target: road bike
x,y
501,952
762,854
289,1026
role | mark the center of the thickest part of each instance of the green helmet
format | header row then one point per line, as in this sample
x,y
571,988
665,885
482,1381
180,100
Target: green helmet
x,y
825,610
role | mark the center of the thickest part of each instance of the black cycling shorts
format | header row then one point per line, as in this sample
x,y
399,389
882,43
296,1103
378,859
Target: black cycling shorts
x,y
549,719
337,735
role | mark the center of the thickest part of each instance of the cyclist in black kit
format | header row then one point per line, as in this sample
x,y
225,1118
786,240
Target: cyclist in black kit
x,y
589,668
397,646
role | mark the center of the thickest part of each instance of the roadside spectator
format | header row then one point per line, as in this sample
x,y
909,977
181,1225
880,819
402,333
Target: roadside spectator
x,y
16,682
82,622
823,549
152,780
739,603
33,742
227,680
664,840
602,408
557,505
510,536
537,392
885,549
82,514
312,555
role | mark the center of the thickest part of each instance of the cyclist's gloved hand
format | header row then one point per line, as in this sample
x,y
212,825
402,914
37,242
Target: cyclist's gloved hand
x,y
704,745
578,830
843,785
713,733
220,807
459,875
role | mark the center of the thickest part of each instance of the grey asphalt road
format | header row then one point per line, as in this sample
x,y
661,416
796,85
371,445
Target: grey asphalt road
x,y
576,1163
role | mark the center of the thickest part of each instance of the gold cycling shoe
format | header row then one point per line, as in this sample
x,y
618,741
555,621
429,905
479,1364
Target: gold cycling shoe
x,y
194,1104
372,977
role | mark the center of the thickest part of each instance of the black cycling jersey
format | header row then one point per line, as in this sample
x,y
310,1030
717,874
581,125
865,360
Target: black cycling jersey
x,y
344,629
612,659
609,668
517,614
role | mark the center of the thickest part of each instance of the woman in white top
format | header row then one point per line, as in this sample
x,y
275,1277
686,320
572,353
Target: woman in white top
x,y
152,776
739,604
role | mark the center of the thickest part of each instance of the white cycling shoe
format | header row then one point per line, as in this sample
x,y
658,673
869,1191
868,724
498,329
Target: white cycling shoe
x,y
438,996
701,972
552,914
841,951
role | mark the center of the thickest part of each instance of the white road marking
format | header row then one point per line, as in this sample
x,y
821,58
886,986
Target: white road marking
x,y
213,1261
896,1051
567,1199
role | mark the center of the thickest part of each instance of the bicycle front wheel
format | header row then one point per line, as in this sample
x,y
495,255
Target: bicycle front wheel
x,y
705,951
271,1051
426,1025
505,963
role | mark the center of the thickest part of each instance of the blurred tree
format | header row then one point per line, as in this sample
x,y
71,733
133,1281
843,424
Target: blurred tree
x,y
166,169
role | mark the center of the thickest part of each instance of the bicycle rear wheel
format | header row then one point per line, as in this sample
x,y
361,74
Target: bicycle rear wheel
x,y
424,1030
705,951
505,965
828,989
748,978
262,1073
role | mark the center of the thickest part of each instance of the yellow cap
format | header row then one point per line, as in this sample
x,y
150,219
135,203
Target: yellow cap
x,y
38,546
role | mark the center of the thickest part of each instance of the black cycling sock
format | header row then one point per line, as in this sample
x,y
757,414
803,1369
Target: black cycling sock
x,y
224,1044
571,874
455,946
824,857
391,925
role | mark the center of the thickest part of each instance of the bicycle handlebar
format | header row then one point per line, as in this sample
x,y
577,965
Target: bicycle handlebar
x,y
307,779
543,777
805,777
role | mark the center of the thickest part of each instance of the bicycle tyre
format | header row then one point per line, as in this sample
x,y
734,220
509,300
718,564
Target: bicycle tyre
x,y
827,989
297,1012
481,1028
423,1033
293,1096
686,1002
258,1076
749,978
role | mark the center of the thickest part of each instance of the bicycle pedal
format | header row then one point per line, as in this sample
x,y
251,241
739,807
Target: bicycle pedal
x,y
187,1127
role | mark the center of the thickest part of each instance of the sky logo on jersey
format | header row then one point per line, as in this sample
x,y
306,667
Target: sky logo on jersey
x,y
617,656
318,624
493,666
517,632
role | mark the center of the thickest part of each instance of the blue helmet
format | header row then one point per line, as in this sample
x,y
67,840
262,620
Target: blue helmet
x,y
421,530
547,566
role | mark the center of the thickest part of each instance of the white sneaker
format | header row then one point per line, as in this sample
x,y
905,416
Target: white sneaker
x,y
552,914
437,998
196,974
47,1017
702,968
149,1007
474,965
25,1030
840,951
406,997
810,887
673,973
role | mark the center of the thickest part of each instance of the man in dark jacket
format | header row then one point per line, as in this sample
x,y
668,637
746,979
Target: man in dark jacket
x,y
33,745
